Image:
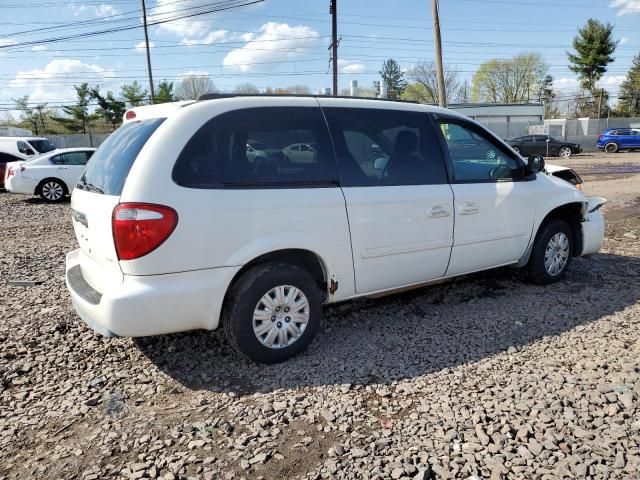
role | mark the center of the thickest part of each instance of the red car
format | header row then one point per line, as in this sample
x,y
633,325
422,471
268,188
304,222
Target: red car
x,y
6,158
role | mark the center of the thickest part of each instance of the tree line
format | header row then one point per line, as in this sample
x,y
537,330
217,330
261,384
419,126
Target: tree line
x,y
525,78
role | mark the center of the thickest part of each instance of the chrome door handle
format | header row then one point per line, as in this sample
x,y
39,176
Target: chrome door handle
x,y
468,208
62,168
439,211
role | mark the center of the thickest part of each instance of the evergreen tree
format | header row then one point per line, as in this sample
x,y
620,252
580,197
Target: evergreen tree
x,y
78,116
594,46
393,77
133,94
164,92
109,107
629,97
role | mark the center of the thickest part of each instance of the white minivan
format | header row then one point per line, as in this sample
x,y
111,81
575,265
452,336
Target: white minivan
x,y
179,228
30,146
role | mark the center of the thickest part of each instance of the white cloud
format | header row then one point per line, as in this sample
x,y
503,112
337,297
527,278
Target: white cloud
x,y
76,9
274,42
215,36
141,47
39,48
624,40
351,66
611,82
194,73
626,7
105,10
52,84
186,27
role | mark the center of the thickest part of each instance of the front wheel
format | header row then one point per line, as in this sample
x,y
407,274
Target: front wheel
x,y
52,191
564,152
552,252
273,312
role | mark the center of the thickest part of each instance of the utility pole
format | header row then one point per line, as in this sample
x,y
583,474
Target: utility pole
x,y
600,103
442,95
146,42
333,10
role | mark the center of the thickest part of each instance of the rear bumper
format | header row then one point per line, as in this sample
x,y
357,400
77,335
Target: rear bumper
x,y
19,184
592,232
139,306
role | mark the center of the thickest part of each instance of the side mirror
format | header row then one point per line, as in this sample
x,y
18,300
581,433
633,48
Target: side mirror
x,y
380,163
535,163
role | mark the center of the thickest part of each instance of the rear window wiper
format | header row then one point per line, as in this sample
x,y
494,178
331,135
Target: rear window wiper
x,y
84,185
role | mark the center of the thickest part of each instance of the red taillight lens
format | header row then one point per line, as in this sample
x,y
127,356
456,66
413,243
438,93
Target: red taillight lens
x,y
140,228
599,136
10,172
130,114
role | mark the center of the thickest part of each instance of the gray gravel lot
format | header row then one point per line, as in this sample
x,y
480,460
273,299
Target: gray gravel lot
x,y
485,377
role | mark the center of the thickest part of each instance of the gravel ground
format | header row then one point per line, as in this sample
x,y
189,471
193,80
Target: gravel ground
x,y
487,377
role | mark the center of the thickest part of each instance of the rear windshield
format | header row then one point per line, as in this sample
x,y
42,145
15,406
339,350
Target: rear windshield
x,y
42,146
109,166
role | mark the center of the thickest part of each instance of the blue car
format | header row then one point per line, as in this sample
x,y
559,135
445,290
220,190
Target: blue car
x,y
614,139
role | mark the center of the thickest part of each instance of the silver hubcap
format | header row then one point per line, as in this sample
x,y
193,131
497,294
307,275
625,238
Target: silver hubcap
x,y
556,254
281,316
491,154
610,148
52,191
516,149
565,152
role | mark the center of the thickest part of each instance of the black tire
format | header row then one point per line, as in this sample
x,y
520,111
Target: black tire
x,y
537,270
517,149
244,297
52,190
611,147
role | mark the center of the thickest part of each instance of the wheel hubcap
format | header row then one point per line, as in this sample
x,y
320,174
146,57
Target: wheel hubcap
x,y
52,191
281,317
491,154
565,152
556,254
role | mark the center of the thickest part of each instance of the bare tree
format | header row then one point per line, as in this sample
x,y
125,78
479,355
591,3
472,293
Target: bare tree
x,y
246,88
192,86
425,84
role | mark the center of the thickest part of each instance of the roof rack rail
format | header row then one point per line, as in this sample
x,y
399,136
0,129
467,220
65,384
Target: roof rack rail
x,y
215,96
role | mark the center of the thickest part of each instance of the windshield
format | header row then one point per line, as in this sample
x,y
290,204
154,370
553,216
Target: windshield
x,y
42,146
109,166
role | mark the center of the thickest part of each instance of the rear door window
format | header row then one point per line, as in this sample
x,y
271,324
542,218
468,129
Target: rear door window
x,y
385,147
259,148
111,163
70,158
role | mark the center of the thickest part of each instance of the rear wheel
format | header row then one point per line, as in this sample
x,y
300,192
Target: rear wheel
x,y
564,152
273,312
552,252
611,147
517,149
52,190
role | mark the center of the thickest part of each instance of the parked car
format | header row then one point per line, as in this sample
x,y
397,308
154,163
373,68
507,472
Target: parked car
x,y
300,153
178,229
613,140
52,175
30,146
537,145
7,158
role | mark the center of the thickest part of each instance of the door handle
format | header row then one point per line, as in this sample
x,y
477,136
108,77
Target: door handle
x,y
62,168
468,208
439,211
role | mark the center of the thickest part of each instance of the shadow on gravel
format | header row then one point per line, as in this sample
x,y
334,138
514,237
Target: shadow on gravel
x,y
40,201
413,333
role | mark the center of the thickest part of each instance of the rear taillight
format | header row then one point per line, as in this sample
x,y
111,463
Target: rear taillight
x,y
599,136
130,114
140,228
10,172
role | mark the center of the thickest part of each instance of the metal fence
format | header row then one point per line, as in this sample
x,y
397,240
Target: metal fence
x,y
78,140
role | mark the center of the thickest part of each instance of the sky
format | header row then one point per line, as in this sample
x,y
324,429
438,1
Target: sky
x,y
279,43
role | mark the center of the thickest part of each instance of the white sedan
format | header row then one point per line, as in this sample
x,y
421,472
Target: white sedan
x,y
52,175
